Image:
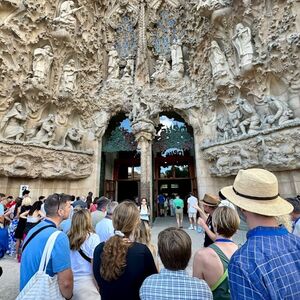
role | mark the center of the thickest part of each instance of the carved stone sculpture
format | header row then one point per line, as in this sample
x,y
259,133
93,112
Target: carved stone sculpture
x,y
162,69
42,60
73,139
113,64
177,59
250,121
223,127
213,4
243,44
66,18
280,113
234,118
13,122
219,65
68,80
45,131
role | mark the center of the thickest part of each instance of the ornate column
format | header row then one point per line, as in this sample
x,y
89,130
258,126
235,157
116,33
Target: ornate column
x,y
144,131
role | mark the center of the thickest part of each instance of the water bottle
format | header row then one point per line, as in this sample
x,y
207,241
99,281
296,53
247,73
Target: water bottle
x,y
199,229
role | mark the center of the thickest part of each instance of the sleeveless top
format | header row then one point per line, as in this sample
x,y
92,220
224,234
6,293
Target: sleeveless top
x,y
220,289
207,240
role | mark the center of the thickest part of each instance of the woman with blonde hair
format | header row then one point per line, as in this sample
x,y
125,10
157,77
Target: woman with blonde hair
x,y
120,264
143,235
83,241
211,263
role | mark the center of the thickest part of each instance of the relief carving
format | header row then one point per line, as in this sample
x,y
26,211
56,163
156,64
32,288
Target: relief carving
x,y
13,123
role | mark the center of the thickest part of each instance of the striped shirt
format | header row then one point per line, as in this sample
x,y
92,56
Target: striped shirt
x,y
267,266
174,285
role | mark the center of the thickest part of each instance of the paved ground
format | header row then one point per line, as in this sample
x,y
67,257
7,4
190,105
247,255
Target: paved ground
x,y
9,281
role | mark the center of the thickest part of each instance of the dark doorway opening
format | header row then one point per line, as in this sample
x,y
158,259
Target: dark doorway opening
x,y
128,190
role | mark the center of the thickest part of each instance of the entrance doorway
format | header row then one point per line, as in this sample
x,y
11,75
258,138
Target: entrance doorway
x,y
181,187
128,190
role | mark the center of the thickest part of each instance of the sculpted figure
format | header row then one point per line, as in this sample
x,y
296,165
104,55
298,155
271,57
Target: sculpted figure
x,y
162,70
223,127
101,120
113,64
13,123
128,71
213,4
45,131
242,42
219,65
280,113
66,11
73,139
68,80
177,59
234,118
42,60
250,117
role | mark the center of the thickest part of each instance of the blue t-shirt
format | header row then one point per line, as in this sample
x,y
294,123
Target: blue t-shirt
x,y
31,257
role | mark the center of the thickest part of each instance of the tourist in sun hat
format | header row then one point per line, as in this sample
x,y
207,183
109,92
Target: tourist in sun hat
x,y
267,266
210,203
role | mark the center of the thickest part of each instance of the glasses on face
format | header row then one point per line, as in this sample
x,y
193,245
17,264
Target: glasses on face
x,y
59,199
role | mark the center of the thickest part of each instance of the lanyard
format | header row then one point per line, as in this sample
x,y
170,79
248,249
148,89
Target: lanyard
x,y
224,241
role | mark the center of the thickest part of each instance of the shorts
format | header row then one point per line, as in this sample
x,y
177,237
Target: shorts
x,y
179,212
192,215
162,205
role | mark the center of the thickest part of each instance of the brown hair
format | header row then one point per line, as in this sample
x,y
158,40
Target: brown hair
x,y
126,218
225,221
174,248
81,228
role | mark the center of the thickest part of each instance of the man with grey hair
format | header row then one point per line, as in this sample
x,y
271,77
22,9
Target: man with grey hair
x,y
100,213
105,228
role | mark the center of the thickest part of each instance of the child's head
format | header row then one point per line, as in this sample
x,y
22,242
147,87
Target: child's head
x,y
143,233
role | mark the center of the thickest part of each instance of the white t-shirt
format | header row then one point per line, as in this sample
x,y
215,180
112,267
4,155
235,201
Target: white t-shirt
x,y
191,202
80,266
105,229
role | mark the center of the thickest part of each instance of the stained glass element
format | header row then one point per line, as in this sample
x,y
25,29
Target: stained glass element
x,y
165,33
120,140
126,44
174,137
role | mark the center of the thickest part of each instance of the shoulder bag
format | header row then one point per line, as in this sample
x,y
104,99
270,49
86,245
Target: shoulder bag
x,y
42,286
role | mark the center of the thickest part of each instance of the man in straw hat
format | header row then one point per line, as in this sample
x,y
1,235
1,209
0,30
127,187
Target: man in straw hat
x,y
267,266
210,203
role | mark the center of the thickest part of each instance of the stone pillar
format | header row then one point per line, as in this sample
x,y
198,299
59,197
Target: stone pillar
x,y
145,145
144,132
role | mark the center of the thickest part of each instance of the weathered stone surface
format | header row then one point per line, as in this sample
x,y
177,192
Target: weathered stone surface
x,y
230,68
32,161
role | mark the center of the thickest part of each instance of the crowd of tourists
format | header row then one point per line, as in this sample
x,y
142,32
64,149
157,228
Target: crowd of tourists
x,y
94,248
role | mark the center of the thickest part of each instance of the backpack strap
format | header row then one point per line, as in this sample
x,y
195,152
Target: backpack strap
x,y
48,250
34,234
84,256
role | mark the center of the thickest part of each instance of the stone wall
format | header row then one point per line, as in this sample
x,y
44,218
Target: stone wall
x,y
230,68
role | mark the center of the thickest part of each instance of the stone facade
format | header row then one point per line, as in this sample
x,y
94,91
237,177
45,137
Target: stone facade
x,y
229,68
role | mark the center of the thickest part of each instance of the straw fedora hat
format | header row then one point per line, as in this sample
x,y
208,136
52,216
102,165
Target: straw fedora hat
x,y
256,190
210,200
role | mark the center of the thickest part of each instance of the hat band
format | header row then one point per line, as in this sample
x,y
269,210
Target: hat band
x,y
213,204
253,197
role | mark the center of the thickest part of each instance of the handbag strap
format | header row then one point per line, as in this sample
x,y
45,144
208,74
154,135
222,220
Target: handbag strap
x,y
47,251
34,234
84,256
